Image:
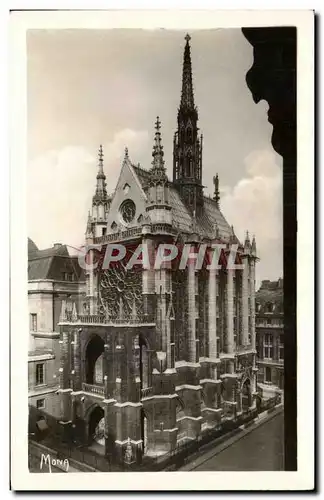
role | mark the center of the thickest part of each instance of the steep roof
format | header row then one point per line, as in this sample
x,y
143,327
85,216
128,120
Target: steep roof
x,y
182,218
270,292
32,247
51,263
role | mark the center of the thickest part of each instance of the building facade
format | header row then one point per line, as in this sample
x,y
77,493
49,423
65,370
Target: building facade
x,y
53,277
162,353
270,337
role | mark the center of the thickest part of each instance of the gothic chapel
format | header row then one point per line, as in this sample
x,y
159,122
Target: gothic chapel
x,y
158,356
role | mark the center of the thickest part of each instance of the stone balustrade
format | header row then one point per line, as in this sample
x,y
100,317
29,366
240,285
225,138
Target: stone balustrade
x,y
99,390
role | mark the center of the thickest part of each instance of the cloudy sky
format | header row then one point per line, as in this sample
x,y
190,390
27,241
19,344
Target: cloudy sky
x,y
91,87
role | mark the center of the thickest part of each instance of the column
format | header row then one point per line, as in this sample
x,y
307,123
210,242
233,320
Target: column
x,y
245,302
229,312
163,310
230,318
252,313
212,313
65,361
148,281
191,311
77,359
92,285
252,298
65,390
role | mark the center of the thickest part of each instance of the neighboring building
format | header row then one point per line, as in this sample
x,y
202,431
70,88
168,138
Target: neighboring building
x,y
53,276
270,337
162,354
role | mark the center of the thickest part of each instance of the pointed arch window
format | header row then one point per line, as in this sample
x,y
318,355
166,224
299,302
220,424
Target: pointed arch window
x,y
182,134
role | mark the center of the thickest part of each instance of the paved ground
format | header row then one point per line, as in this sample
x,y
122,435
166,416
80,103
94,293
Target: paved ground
x,y
261,449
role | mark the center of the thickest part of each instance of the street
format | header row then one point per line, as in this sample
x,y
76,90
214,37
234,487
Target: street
x,y
261,449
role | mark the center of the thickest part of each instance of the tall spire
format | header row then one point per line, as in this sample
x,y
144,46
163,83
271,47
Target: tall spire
x,y
216,196
187,95
187,147
158,168
101,187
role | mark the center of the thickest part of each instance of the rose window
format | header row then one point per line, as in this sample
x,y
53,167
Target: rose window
x,y
127,210
121,292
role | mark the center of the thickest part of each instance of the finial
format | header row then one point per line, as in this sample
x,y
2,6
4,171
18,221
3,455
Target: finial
x,y
100,155
157,124
126,152
187,37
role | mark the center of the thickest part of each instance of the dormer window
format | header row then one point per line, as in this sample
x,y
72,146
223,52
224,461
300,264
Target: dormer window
x,y
269,307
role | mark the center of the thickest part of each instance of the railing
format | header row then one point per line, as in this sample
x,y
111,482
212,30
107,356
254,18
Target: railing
x,y
263,324
94,389
163,228
103,320
120,235
134,232
90,318
146,392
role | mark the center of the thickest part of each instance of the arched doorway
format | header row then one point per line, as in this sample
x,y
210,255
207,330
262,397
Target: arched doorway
x,y
97,426
94,360
246,395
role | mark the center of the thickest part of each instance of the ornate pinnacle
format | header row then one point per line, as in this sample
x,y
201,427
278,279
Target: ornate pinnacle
x,y
247,244
253,247
89,226
187,38
101,191
216,196
157,153
101,174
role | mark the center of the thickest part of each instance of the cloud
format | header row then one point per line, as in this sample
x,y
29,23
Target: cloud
x,y
255,204
60,185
